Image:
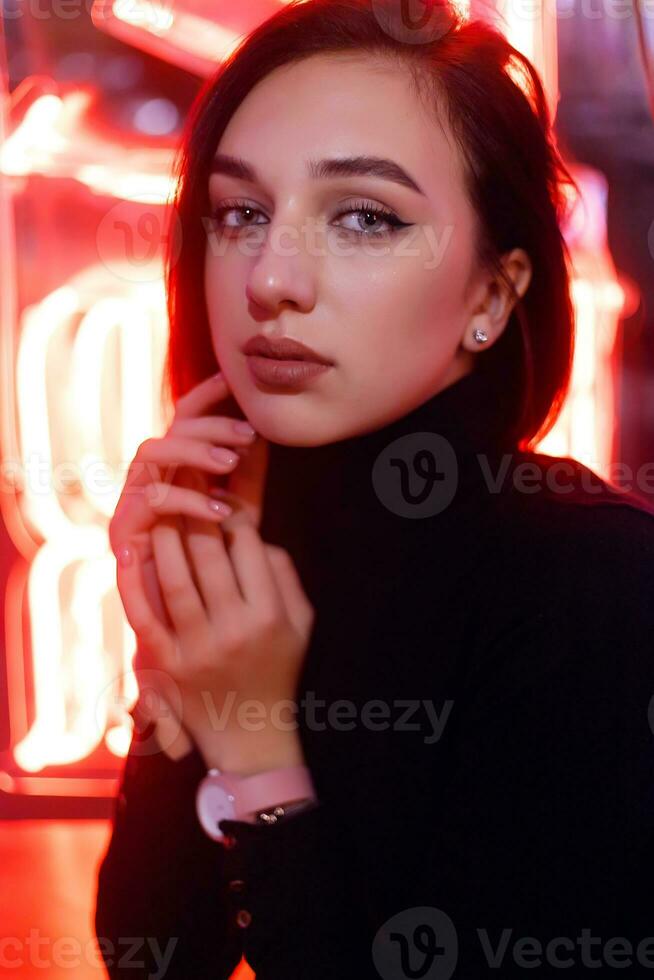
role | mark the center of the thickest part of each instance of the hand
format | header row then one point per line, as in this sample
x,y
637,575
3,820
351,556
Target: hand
x,y
240,635
185,450
135,523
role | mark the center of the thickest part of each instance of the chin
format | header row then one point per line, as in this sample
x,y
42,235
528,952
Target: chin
x,y
289,421
292,433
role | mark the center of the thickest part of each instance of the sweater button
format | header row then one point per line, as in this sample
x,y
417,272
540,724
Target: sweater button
x,y
243,918
236,885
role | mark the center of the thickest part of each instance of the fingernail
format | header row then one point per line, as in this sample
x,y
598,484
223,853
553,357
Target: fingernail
x,y
244,428
224,455
219,376
125,556
220,507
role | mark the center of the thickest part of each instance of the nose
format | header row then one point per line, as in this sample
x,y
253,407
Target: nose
x,y
283,273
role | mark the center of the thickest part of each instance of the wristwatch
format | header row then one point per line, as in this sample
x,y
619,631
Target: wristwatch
x,y
229,796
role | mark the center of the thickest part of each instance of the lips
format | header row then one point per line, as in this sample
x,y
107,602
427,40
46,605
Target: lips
x,y
284,374
283,349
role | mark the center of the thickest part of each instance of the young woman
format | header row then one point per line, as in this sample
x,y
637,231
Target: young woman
x,y
446,632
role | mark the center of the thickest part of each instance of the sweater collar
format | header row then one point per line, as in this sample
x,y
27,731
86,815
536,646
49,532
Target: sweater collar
x,y
469,413
363,483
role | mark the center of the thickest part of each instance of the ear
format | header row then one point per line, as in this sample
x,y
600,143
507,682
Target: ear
x,y
497,302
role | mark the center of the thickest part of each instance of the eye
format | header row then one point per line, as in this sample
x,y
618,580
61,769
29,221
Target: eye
x,y
364,211
373,216
242,208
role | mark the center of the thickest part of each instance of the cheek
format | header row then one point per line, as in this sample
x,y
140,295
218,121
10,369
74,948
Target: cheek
x,y
224,299
432,287
416,305
404,320
217,280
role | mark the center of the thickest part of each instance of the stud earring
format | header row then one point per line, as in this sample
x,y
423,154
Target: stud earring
x,y
480,336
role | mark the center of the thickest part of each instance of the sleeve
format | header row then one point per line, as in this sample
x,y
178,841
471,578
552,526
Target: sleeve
x,y
299,897
523,838
164,902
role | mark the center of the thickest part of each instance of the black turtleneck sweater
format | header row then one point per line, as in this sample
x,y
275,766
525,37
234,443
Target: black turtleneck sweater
x,y
474,709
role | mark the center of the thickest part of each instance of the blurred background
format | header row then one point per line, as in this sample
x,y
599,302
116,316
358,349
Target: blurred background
x,y
93,96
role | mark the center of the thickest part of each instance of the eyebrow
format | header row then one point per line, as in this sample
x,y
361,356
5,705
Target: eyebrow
x,y
359,166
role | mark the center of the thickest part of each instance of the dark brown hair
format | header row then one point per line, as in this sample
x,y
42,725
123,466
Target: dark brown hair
x,y
496,108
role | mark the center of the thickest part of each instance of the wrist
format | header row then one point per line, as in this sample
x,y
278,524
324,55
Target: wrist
x,y
253,759
262,798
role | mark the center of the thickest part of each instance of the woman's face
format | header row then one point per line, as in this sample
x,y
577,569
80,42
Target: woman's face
x,y
295,255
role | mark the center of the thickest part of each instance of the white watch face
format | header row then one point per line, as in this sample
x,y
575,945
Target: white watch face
x,y
214,803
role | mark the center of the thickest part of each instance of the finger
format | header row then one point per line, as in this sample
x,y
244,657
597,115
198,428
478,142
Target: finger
x,y
133,514
209,561
131,522
298,607
246,483
212,568
165,498
150,580
178,589
207,392
149,629
216,429
174,453
154,501
253,570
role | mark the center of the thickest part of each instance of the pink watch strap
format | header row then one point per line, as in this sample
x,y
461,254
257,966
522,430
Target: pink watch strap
x,y
276,786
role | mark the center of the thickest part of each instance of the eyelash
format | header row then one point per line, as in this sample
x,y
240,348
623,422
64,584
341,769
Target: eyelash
x,y
357,207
